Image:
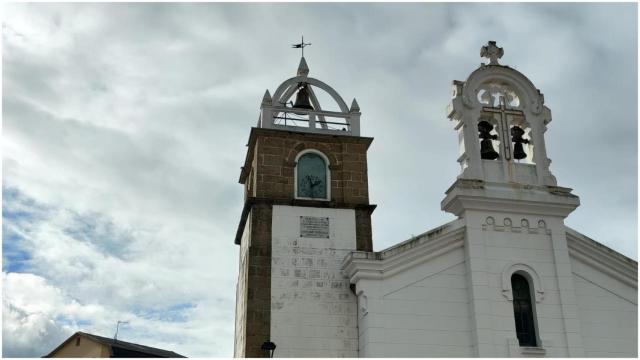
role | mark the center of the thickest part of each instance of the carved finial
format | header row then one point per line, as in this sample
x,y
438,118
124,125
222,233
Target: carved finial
x,y
491,52
354,106
303,69
266,99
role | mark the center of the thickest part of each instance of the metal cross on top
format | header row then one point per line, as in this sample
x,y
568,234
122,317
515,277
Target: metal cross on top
x,y
301,45
503,124
492,52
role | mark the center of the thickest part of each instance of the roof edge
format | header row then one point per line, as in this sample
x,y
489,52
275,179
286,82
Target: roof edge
x,y
602,257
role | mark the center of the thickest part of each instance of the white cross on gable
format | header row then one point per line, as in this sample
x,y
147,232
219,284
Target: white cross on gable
x,y
492,52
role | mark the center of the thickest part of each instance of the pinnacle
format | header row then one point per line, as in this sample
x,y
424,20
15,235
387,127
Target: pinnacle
x,y
303,69
354,106
266,99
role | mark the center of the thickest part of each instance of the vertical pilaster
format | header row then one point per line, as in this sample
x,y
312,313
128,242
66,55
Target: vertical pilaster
x,y
258,316
568,300
472,145
479,296
363,229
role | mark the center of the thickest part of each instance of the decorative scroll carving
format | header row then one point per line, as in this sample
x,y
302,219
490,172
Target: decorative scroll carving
x,y
492,93
467,102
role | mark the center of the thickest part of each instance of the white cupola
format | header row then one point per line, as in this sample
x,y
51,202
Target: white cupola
x,y
501,119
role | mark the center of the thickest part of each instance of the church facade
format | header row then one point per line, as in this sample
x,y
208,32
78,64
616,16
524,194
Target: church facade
x,y
507,278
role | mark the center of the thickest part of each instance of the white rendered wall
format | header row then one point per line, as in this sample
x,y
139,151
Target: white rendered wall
x,y
497,241
313,311
241,291
608,313
420,312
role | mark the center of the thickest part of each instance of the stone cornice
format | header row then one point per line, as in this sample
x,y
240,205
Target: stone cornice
x,y
379,265
251,201
602,258
514,198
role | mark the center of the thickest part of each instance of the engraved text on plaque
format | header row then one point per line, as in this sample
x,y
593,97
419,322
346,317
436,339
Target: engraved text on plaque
x,y
314,227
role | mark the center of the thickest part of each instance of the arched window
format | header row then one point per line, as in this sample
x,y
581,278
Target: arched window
x,y
523,311
312,176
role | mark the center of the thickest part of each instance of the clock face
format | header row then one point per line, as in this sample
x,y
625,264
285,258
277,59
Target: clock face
x,y
312,176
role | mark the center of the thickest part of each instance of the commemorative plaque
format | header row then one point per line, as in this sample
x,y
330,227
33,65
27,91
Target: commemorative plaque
x,y
314,227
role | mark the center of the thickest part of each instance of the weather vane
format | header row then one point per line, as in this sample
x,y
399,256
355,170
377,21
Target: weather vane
x,y
301,45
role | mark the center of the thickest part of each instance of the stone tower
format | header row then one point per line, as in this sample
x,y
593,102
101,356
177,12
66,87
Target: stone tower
x,y
306,207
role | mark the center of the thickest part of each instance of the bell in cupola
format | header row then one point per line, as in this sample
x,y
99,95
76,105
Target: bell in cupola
x,y
302,98
516,137
486,146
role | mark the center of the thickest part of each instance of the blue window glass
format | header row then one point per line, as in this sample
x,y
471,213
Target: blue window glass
x,y
312,176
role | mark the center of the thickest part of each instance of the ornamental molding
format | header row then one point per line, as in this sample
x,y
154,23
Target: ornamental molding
x,y
533,100
522,226
508,198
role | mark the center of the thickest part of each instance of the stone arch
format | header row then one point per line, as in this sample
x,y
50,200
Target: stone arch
x,y
529,273
293,154
327,169
532,99
288,88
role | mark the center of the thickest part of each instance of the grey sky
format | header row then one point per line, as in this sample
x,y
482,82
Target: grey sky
x,y
125,128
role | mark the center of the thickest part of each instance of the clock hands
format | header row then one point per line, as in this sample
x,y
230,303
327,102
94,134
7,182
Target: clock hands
x,y
313,181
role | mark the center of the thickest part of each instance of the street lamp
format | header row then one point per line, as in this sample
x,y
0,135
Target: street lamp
x,y
270,347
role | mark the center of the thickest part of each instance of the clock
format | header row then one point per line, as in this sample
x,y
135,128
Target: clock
x,y
311,177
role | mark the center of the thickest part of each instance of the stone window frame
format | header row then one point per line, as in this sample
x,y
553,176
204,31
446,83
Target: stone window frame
x,y
536,292
529,273
327,169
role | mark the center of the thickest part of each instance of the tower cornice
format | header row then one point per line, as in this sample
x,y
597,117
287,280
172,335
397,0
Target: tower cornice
x,y
479,195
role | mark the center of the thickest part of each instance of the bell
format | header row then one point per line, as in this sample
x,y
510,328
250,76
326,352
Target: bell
x,y
302,98
486,146
486,150
518,151
516,137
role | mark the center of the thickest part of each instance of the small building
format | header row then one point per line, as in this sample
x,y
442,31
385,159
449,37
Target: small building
x,y
83,345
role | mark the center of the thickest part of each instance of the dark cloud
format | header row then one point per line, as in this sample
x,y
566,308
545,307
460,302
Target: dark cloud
x,y
129,122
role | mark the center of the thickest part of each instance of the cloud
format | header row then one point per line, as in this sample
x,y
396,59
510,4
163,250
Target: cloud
x,y
125,128
29,310
91,273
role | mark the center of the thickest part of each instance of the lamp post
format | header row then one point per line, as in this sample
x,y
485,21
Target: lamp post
x,y
270,347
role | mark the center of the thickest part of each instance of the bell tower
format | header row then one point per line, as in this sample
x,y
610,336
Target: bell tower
x,y
513,211
306,207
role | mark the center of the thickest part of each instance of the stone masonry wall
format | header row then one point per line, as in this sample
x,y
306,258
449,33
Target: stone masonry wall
x,y
268,176
259,281
273,163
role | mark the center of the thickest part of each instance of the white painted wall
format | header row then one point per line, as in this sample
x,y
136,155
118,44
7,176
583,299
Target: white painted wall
x,y
496,243
458,302
608,311
241,291
421,312
313,311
